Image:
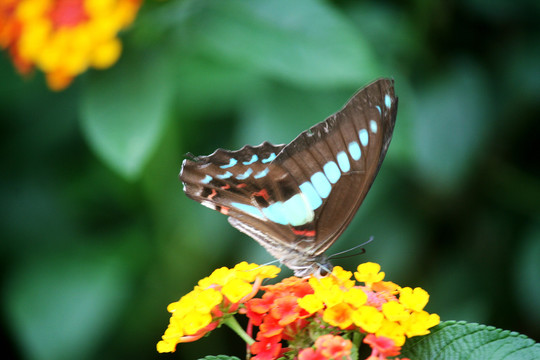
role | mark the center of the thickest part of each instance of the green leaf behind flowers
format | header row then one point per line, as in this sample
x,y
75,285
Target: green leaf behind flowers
x,y
462,340
219,357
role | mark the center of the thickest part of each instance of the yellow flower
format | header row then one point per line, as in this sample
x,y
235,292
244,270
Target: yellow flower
x,y
368,318
369,273
392,330
339,315
374,308
413,299
394,311
64,38
311,303
419,323
208,299
217,277
386,286
168,342
327,290
201,310
194,321
249,272
355,297
236,289
342,277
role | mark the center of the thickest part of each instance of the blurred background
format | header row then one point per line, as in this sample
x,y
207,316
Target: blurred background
x,y
98,237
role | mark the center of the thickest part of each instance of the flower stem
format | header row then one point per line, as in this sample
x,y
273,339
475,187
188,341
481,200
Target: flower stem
x,y
357,338
235,326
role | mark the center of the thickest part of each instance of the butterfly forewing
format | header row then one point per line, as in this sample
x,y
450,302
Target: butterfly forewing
x,y
297,199
341,156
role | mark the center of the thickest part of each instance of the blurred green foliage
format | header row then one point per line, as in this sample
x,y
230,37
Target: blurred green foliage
x,y
98,237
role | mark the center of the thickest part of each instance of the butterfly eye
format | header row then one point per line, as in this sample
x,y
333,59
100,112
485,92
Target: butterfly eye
x,y
323,271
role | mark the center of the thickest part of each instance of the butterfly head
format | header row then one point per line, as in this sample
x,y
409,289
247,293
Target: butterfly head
x,y
320,266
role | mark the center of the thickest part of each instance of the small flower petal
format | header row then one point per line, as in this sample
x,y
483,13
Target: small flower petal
x,y
369,273
339,315
311,303
413,299
368,318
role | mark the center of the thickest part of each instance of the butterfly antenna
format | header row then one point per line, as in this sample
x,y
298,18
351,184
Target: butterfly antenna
x,y
336,255
271,262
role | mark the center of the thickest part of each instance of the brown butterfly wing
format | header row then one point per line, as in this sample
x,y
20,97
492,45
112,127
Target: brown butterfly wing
x,y
297,199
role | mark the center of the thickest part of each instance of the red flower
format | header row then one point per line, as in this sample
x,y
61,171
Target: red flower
x,y
266,348
256,309
382,346
285,310
270,327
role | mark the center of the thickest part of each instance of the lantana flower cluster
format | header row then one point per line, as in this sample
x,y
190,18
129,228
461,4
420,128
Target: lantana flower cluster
x,y
307,318
63,38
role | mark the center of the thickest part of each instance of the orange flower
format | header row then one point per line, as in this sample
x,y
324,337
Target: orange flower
x,y
328,347
334,347
285,310
339,315
64,38
277,314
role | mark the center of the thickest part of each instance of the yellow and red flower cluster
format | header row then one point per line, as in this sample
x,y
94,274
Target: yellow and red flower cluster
x,y
305,318
211,301
63,38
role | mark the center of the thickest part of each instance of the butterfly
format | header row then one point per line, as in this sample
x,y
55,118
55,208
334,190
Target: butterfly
x,y
296,199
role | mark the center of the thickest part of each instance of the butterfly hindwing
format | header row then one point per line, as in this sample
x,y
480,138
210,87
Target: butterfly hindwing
x,y
247,187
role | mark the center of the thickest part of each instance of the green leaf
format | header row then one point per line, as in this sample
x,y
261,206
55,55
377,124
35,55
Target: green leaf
x,y
462,340
527,268
306,42
219,357
279,113
62,306
124,111
451,126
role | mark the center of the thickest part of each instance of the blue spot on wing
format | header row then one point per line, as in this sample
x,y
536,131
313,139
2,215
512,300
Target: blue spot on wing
x,y
275,213
227,175
387,101
311,194
231,163
248,209
244,175
364,137
343,161
332,172
354,150
298,211
206,179
373,126
261,174
321,184
252,160
271,157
